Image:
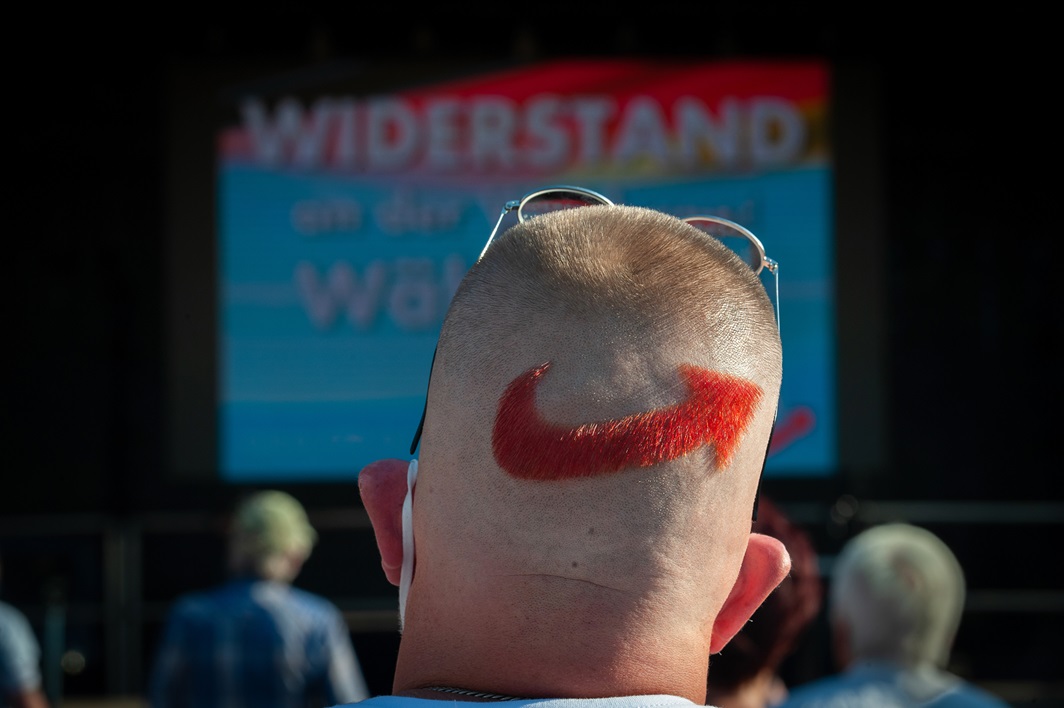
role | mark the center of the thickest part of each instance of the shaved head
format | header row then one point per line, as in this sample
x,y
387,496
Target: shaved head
x,y
598,416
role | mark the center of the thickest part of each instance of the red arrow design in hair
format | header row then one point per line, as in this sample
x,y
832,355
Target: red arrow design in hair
x,y
716,411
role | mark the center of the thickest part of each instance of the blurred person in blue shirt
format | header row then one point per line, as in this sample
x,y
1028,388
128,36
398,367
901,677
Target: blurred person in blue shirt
x,y
20,655
257,640
895,605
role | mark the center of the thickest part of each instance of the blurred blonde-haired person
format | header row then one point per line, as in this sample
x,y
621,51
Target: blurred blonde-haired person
x,y
256,640
895,605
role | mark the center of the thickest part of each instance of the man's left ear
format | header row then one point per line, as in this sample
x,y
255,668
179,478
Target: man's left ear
x,y
764,567
382,485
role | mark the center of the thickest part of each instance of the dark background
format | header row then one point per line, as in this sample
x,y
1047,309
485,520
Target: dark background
x,y
962,115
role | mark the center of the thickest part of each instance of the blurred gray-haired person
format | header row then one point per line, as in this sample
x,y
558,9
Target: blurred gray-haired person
x,y
895,604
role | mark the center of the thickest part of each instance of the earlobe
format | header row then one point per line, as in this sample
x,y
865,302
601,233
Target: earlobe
x,y
765,565
382,486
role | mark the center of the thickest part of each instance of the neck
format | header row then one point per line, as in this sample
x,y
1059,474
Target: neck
x,y
515,649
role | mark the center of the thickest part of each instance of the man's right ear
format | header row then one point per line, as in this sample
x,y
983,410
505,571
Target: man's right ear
x,y
382,485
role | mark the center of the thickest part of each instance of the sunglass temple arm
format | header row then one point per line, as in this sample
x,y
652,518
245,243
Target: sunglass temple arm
x,y
510,206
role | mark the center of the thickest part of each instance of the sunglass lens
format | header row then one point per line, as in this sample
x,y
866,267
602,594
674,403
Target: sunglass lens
x,y
731,238
555,200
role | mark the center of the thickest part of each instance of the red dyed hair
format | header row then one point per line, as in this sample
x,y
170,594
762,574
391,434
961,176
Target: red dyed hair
x,y
716,411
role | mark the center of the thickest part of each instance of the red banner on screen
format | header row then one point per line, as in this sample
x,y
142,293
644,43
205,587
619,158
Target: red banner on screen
x,y
636,117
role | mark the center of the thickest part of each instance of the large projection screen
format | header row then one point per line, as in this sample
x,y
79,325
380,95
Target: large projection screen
x,y
346,209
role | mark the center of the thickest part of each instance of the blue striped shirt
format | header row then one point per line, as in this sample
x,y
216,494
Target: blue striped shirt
x,y
255,644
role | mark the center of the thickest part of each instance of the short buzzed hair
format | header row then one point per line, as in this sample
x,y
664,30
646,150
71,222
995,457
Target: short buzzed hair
x,y
639,267
900,591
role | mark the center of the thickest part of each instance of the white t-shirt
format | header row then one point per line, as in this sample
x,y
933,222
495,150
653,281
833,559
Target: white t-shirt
x,y
652,701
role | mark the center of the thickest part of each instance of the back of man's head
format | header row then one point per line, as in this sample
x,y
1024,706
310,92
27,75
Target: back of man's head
x,y
598,416
897,595
270,536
